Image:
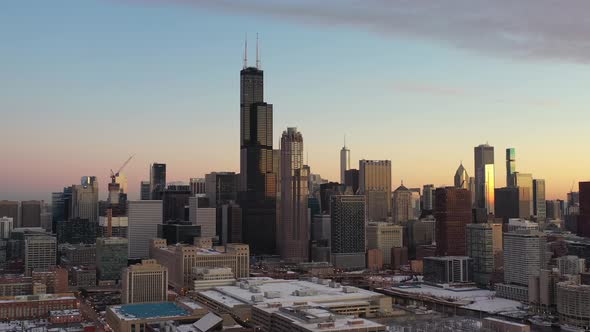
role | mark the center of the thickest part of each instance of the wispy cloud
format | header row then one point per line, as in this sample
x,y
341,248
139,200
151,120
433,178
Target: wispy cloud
x,y
540,29
436,90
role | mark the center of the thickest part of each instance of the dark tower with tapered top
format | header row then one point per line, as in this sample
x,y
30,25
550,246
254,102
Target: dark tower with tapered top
x,y
257,195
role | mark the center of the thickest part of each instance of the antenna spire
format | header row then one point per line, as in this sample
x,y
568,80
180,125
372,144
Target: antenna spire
x,y
246,51
345,141
257,53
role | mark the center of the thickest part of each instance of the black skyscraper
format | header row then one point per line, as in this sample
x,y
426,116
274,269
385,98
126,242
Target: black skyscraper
x,y
257,180
157,180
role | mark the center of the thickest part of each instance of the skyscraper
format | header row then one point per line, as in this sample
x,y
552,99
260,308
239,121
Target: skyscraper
x,y
484,245
111,257
539,204
175,202
221,188
428,197
85,199
197,186
461,178
347,234
9,209
145,194
524,182
375,185
344,162
257,180
510,167
401,206
202,214
584,217
293,223
30,214
452,213
484,177
144,217
157,180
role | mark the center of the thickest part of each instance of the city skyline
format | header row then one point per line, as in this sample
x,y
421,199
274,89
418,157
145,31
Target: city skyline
x,y
71,95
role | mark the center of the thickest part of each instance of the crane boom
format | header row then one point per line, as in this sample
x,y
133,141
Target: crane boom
x,y
124,164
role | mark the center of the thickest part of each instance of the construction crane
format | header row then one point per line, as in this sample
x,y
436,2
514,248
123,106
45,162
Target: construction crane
x,y
115,174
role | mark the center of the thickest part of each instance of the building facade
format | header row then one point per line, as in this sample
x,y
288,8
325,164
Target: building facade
x,y
293,224
347,238
452,214
111,258
484,177
375,185
144,218
145,282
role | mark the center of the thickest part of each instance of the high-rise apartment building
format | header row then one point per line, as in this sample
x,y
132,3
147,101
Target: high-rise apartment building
x,y
510,167
344,162
385,236
145,282
347,238
144,191
401,206
111,257
461,178
539,204
452,213
375,185
157,180
30,214
221,188
484,177
351,179
293,224
85,199
144,217
258,181
507,204
203,215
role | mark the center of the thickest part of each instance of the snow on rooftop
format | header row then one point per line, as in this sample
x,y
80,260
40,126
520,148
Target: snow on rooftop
x,y
285,292
473,298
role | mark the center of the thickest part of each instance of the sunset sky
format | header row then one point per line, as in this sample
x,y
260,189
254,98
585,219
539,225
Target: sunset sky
x,y
86,83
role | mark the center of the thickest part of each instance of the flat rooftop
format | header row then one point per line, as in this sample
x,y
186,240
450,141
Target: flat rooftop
x,y
286,291
148,310
470,298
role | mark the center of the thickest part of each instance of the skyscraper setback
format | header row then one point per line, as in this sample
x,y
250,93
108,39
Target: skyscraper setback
x,y
258,182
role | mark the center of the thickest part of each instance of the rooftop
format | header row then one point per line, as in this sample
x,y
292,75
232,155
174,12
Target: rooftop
x,y
469,298
148,310
257,291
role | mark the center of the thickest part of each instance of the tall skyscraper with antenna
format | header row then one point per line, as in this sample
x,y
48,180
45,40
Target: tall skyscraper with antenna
x,y
344,162
258,182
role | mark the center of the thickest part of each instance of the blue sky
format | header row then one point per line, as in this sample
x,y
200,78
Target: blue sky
x,y
83,84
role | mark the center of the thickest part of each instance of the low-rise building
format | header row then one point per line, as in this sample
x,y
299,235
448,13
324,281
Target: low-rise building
x,y
341,300
135,317
14,285
448,269
498,325
207,278
35,306
83,276
288,317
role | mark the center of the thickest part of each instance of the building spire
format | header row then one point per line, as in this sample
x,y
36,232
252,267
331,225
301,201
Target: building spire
x,y
257,53
246,51
345,141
